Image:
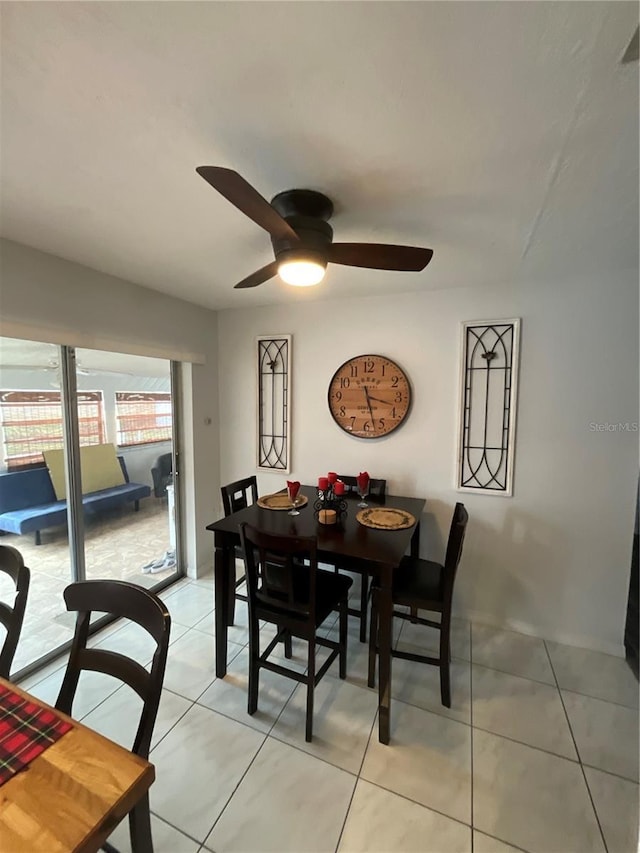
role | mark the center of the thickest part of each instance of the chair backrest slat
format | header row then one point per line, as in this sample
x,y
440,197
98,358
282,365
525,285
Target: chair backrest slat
x,y
132,602
454,546
239,495
118,666
12,564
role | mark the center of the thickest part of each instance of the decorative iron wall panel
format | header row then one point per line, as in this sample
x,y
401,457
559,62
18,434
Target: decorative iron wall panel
x,y
274,402
488,406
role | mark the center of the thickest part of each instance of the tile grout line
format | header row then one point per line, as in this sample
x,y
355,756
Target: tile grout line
x,y
584,775
240,780
358,777
181,831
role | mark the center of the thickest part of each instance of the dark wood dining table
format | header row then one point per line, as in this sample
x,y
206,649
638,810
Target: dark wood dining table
x,y
378,552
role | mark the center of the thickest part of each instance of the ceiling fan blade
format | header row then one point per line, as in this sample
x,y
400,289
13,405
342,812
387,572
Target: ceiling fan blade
x,y
380,256
259,276
247,199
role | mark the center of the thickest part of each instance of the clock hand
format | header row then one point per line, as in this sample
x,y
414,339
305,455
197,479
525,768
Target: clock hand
x,y
379,400
366,394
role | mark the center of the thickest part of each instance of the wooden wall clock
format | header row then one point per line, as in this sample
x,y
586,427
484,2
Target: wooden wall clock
x,y
369,396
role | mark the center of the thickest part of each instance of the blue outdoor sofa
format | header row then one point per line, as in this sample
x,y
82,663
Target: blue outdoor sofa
x,y
28,502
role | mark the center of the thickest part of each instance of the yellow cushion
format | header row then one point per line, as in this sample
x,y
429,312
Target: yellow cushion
x,y
99,468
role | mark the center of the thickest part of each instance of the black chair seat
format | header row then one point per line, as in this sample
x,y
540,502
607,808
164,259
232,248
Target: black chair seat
x,y
425,585
330,587
286,588
418,583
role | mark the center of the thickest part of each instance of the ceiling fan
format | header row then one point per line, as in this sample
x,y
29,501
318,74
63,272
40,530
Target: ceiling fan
x,y
301,236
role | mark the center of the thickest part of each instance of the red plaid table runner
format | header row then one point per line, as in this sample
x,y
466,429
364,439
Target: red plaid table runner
x,y
26,730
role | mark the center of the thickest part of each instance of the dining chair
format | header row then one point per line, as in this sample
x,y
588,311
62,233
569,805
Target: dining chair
x,y
12,617
377,491
287,589
133,602
425,585
237,496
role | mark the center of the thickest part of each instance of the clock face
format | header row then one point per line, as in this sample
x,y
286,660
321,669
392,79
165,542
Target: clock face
x,y
369,396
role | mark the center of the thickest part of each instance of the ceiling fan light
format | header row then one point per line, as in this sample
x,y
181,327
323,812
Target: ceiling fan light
x,y
301,273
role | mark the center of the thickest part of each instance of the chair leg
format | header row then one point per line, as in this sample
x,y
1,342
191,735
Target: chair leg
x,y
344,619
311,677
288,645
364,601
373,640
414,615
445,658
232,592
254,668
140,827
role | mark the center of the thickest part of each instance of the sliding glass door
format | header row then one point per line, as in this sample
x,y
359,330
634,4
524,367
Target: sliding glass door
x,y
128,483
95,431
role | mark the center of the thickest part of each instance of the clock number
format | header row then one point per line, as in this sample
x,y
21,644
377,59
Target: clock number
x,y
353,421
383,367
381,423
343,412
338,395
354,370
394,381
399,397
367,426
393,412
345,382
369,366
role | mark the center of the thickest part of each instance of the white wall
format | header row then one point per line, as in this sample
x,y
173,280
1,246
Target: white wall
x,y
46,298
554,559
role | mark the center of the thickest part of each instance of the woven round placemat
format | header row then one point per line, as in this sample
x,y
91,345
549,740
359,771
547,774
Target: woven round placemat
x,y
385,518
280,501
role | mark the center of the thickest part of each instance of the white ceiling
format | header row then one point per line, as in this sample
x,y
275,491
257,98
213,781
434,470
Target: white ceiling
x,y
502,135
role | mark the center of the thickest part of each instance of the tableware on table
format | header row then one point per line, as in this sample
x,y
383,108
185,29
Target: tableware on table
x,y
363,487
293,487
385,518
281,501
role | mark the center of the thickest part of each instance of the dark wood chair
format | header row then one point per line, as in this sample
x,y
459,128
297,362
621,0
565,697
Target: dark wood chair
x,y
377,491
297,598
237,496
425,585
12,564
129,601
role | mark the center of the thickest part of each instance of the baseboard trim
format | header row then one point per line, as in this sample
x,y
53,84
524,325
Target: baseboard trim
x,y
582,641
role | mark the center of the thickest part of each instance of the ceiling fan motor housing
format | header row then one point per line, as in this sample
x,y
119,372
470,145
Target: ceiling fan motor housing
x,y
307,212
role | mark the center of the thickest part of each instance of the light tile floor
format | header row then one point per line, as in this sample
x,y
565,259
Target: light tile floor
x,y
538,753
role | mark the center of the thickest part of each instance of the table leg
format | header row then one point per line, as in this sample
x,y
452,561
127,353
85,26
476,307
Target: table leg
x,y
415,542
385,616
222,581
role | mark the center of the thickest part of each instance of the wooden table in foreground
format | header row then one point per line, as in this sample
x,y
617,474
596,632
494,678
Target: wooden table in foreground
x,y
72,795
379,552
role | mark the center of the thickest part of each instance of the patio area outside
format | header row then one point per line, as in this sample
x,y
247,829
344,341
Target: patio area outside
x,y
118,544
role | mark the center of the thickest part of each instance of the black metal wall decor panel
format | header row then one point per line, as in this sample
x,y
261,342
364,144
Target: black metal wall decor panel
x,y
274,402
489,386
